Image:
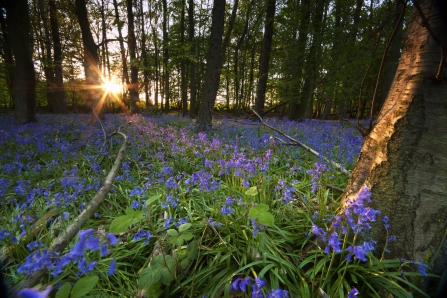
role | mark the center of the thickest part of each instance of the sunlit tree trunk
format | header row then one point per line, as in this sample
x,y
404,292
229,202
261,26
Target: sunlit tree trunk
x,y
403,160
91,61
24,87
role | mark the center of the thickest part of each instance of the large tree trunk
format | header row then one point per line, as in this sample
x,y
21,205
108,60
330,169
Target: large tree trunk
x,y
403,160
24,88
132,46
265,57
91,61
213,67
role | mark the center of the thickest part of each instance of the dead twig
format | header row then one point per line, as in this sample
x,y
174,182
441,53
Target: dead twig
x,y
305,147
71,231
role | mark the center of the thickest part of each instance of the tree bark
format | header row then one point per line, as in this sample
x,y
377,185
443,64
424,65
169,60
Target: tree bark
x,y
24,87
265,57
132,45
213,67
91,61
183,92
403,159
297,50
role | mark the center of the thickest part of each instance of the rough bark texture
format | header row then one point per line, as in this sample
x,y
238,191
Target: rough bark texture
x,y
213,67
403,160
265,57
24,87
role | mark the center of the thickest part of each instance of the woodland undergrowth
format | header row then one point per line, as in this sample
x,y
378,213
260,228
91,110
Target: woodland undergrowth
x,y
228,213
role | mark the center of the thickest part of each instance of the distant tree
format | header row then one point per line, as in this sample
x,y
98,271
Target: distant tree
x,y
192,62
403,159
7,56
213,67
167,92
132,46
18,28
265,57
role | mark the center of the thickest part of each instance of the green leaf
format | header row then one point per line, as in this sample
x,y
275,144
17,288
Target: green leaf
x,y
252,191
134,213
262,207
266,219
149,276
154,290
64,291
175,240
83,286
253,213
120,224
185,263
166,276
172,232
187,236
193,250
152,199
184,227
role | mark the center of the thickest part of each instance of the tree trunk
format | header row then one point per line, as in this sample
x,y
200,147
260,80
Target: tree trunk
x,y
122,49
166,56
8,57
305,106
265,57
213,67
403,159
298,48
144,57
24,88
132,45
183,78
192,63
393,58
91,61
58,83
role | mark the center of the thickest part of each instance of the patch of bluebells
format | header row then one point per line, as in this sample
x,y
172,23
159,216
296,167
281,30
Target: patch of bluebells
x,y
358,218
41,258
142,234
171,201
316,173
287,190
214,223
257,284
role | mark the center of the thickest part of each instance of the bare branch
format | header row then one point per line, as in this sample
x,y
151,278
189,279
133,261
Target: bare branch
x,y
305,147
70,232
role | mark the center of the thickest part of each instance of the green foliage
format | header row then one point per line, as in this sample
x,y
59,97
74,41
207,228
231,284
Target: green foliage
x,y
192,213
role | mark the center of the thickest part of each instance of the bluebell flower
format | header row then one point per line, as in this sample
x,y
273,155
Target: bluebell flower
x,y
227,210
112,267
334,242
422,269
135,204
171,184
34,293
354,292
319,232
112,238
104,250
241,284
278,293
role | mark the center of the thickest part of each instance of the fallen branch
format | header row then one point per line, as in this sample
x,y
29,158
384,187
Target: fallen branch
x,y
305,147
72,230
